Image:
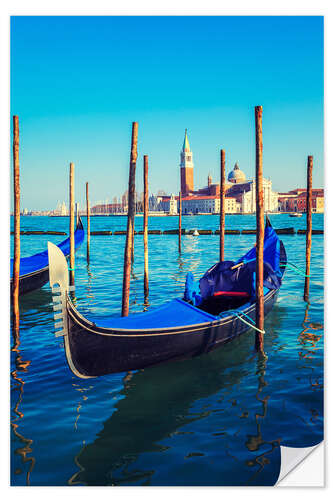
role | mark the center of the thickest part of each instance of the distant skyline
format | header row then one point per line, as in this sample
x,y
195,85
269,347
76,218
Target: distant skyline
x,y
77,83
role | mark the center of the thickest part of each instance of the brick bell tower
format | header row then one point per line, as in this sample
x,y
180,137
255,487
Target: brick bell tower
x,y
186,168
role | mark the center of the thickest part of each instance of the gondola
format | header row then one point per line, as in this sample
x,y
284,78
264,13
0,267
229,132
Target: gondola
x,y
34,270
221,308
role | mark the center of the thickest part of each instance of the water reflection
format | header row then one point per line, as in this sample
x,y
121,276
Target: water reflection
x,y
83,391
146,303
256,441
26,449
89,290
307,338
157,404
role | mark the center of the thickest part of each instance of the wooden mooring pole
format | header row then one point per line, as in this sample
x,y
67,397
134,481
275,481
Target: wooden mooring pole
x,y
130,221
71,225
17,248
260,233
180,223
133,232
88,222
222,204
145,226
308,228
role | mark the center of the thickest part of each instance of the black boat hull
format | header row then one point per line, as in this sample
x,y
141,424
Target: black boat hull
x,y
34,281
95,351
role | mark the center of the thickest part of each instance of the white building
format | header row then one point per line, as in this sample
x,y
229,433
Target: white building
x,y
208,205
245,192
61,209
173,210
167,204
248,201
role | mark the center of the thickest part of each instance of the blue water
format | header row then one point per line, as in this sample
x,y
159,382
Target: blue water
x,y
217,419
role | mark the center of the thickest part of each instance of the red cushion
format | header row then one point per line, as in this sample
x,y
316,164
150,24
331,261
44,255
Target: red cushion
x,y
232,294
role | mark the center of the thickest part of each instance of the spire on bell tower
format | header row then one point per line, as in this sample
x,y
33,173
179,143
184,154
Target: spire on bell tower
x,y
186,167
186,145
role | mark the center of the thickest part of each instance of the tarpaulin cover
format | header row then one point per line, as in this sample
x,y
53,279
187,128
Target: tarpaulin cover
x,y
271,250
40,260
173,313
220,277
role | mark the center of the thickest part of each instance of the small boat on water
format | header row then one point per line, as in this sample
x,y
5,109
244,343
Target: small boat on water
x,y
212,312
295,214
34,270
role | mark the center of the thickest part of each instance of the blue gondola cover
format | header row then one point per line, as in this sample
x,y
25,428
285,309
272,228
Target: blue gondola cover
x,y
41,260
221,277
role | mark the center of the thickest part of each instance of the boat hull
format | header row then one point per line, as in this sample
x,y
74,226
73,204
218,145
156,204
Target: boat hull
x,y
34,281
93,351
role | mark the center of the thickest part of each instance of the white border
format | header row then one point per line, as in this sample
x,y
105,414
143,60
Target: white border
x,y
143,7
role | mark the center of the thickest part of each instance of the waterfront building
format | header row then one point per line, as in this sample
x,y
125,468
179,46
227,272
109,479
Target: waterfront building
x,y
63,209
153,202
173,208
245,192
168,204
295,200
208,205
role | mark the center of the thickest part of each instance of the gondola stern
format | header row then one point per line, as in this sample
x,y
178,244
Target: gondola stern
x,y
79,224
268,221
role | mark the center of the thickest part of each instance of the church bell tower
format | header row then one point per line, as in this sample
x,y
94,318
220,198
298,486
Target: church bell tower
x,y
186,168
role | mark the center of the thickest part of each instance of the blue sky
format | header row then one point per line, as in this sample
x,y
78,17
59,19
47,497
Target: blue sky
x,y
77,83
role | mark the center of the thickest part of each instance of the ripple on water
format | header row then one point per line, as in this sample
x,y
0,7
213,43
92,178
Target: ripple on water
x,y
214,420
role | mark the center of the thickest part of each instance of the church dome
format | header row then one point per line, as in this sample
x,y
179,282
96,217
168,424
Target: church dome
x,y
236,175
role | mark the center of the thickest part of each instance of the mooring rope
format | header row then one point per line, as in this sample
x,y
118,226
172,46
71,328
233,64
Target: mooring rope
x,y
295,268
247,323
237,314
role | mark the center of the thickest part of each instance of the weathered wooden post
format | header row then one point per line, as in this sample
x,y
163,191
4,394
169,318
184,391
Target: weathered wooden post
x,y
88,222
145,225
17,248
133,231
260,234
71,225
222,204
308,228
130,221
180,223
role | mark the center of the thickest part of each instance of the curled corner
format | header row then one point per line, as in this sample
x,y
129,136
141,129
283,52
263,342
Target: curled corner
x,y
291,458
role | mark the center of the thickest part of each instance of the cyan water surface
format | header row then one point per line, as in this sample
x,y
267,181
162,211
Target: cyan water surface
x,y
217,419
